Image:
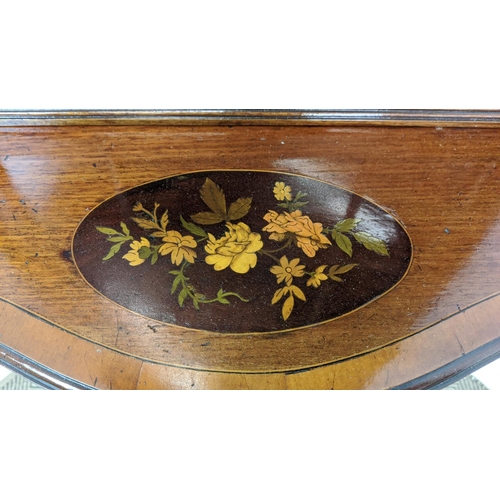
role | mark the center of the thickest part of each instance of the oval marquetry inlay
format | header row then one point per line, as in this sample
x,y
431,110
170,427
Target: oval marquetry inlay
x,y
241,251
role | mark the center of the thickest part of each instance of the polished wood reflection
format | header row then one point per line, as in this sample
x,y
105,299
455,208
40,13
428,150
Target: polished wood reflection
x,y
442,183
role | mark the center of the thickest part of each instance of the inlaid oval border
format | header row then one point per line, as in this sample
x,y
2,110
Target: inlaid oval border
x,y
90,245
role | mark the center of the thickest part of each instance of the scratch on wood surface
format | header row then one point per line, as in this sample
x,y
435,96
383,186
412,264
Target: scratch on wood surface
x,y
459,343
140,374
334,377
87,366
117,327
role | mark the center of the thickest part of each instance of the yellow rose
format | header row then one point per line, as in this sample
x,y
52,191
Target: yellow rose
x,y
236,249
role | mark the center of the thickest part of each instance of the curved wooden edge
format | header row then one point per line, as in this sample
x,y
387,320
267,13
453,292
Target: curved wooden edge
x,y
434,357
452,372
335,117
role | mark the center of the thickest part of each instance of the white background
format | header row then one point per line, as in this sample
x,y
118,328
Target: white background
x,y
249,55
259,54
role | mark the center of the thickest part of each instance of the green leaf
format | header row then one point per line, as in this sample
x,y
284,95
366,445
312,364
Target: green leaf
x,y
125,229
182,296
193,228
344,269
239,208
335,270
371,243
113,251
195,304
144,252
344,243
346,225
175,273
115,239
221,297
298,204
207,218
154,258
106,230
332,273
175,284
214,198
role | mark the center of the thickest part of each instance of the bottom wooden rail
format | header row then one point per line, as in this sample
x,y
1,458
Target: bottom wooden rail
x,y
432,358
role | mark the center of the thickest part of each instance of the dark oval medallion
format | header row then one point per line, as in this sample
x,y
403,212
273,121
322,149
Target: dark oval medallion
x,y
241,251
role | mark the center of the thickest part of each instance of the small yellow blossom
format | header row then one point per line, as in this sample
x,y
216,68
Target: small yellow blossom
x,y
317,277
133,255
286,271
236,249
179,247
282,192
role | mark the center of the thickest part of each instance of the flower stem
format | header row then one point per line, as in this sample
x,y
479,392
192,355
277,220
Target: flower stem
x,y
190,292
270,253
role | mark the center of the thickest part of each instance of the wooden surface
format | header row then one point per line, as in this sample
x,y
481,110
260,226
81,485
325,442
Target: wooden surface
x,y
442,184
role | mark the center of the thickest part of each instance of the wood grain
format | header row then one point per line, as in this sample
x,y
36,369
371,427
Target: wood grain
x,y
442,184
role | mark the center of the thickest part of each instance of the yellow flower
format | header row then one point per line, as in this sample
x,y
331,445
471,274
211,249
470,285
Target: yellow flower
x,y
282,192
307,234
236,249
133,255
180,247
287,270
317,277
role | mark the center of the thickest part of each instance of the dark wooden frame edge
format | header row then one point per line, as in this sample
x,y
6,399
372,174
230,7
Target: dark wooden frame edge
x,y
233,117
